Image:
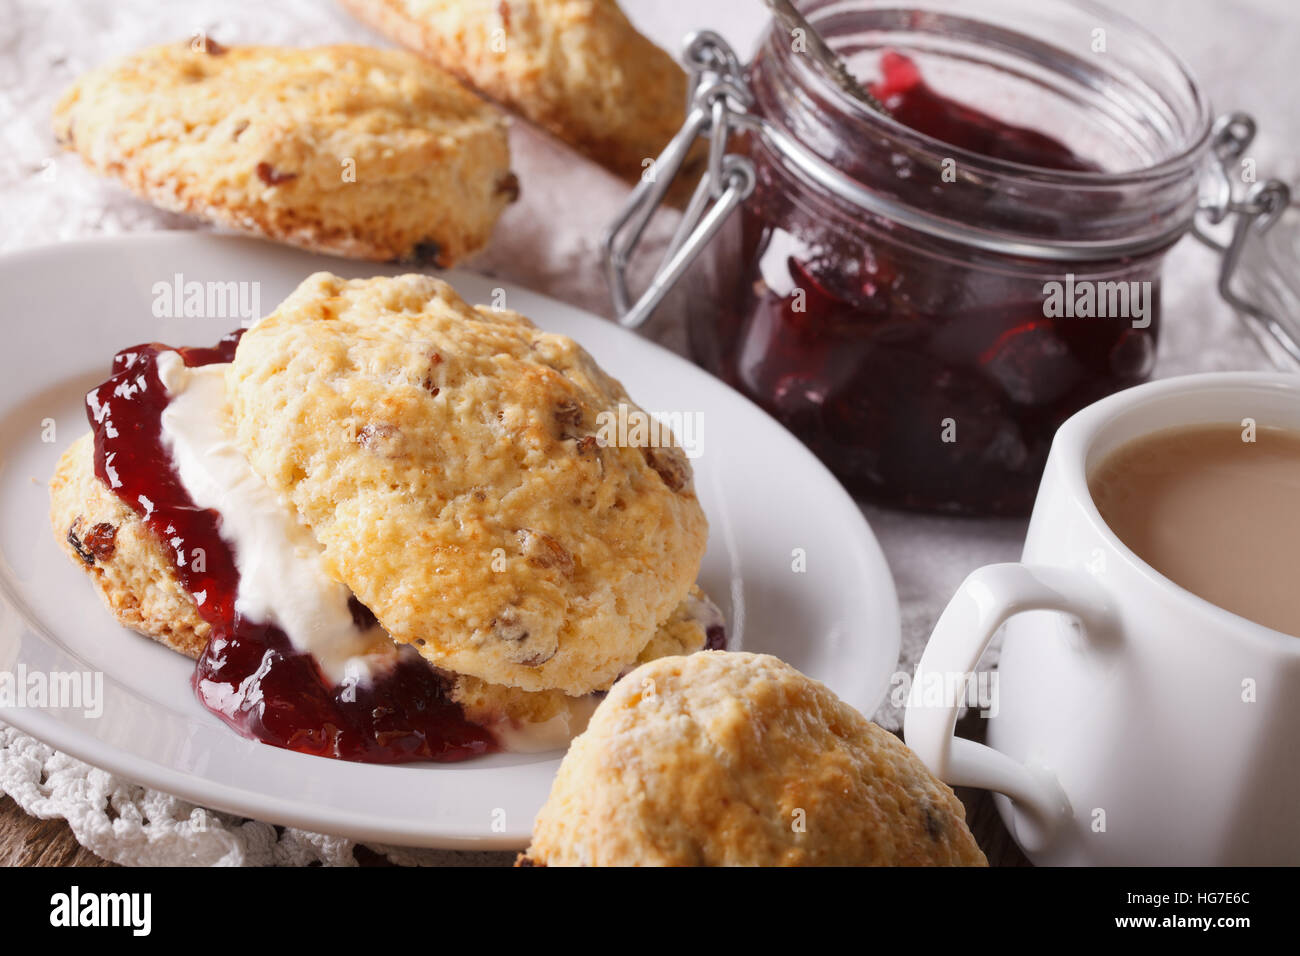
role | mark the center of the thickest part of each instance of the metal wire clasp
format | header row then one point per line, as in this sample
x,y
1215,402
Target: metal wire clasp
x,y
718,94
1256,211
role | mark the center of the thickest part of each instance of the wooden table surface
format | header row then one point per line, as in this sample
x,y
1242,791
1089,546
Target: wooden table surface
x,y
26,841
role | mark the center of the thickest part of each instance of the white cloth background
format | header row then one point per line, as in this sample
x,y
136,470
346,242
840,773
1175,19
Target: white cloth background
x,y
1242,50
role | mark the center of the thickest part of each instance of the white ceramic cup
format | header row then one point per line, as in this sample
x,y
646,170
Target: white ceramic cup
x,y
1136,723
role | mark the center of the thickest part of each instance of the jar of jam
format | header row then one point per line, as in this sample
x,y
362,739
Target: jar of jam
x,y
923,295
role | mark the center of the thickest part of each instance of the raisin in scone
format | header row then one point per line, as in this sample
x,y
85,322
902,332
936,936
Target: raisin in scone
x,y
729,758
448,460
348,150
577,68
131,570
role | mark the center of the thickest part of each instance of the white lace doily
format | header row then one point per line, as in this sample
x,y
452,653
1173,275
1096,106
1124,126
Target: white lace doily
x,y
135,826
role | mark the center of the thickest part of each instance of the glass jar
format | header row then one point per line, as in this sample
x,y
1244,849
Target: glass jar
x,y
921,314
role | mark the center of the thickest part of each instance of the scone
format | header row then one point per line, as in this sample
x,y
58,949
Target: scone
x,y
577,68
738,759
128,564
695,624
290,592
133,574
448,460
372,154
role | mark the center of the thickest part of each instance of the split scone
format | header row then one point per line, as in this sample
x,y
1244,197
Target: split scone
x,y
386,524
347,150
738,759
576,68
419,437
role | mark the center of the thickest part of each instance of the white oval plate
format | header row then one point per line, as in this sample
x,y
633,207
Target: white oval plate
x,y
69,308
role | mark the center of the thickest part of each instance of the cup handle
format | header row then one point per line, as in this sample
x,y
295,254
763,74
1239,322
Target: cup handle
x,y
985,600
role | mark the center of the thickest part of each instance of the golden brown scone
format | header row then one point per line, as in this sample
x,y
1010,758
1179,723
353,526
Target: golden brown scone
x,y
129,566
577,68
683,633
136,580
728,758
446,458
346,150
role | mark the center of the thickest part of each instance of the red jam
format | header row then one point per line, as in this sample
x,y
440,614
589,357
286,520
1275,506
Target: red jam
x,y
249,674
907,97
925,378
715,638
